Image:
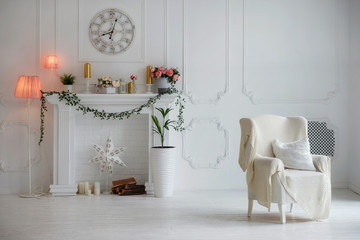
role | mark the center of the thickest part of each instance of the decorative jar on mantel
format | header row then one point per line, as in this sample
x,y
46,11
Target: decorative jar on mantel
x,y
105,90
106,85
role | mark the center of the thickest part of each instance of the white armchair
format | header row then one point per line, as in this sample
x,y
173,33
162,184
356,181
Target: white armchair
x,y
267,179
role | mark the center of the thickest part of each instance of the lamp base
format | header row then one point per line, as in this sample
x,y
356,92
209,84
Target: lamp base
x,y
30,195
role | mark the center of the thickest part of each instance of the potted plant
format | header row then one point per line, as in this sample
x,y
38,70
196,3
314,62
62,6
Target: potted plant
x,y
107,85
163,158
165,77
68,80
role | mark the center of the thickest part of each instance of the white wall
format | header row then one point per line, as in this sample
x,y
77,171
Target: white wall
x,y
224,78
354,85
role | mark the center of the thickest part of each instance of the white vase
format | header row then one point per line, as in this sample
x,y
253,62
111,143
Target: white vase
x,y
69,87
162,84
163,170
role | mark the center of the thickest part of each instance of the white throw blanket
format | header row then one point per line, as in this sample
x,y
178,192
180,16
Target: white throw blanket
x,y
310,189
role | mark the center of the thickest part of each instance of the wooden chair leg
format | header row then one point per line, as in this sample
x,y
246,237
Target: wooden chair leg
x,y
291,207
250,207
282,208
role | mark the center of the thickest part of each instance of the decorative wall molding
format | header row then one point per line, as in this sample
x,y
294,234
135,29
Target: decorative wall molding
x,y
6,102
166,37
114,58
218,159
255,99
193,98
35,157
38,36
3,100
4,124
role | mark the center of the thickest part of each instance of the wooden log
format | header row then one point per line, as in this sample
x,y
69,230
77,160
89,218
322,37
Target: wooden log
x,y
119,182
117,189
125,192
134,187
132,192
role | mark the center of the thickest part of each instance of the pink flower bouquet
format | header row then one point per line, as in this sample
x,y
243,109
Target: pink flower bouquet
x,y
105,82
172,74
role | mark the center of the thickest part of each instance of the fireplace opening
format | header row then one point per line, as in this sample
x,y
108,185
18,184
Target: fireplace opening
x,y
133,134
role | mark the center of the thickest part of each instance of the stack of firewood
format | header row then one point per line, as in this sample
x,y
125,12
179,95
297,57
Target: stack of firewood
x,y
127,187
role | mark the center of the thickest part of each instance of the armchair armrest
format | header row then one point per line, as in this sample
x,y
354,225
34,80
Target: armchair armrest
x,y
268,165
322,163
259,177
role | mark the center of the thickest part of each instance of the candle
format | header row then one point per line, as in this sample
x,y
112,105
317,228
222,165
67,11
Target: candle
x,y
97,188
130,87
87,70
91,187
81,188
86,187
88,192
148,75
97,191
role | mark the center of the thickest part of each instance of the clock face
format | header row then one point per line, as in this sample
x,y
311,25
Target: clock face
x,y
111,31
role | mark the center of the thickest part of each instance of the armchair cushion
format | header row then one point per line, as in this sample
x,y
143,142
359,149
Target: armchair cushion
x,y
295,155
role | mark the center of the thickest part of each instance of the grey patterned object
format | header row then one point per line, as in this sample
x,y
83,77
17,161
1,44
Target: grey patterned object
x,y
322,139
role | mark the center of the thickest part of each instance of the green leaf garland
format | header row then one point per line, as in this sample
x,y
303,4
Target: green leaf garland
x,y
71,99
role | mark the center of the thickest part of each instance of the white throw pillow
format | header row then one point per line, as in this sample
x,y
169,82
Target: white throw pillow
x,y
294,155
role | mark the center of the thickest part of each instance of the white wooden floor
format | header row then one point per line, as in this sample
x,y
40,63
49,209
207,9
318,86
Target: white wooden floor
x,y
189,215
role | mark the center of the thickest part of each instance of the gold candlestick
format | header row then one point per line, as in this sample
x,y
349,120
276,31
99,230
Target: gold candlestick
x,y
87,70
148,75
87,76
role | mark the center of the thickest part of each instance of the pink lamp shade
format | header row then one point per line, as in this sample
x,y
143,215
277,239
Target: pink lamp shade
x,y
28,87
51,62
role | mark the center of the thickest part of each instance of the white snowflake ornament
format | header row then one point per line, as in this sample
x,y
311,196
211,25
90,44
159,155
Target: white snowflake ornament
x,y
108,155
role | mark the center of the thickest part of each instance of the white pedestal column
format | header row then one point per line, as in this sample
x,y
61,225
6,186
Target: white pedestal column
x,y
64,171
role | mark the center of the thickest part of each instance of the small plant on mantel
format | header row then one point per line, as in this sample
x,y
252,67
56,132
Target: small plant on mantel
x,y
67,79
164,126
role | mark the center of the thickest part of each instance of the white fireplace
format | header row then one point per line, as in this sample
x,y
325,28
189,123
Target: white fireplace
x,y
75,133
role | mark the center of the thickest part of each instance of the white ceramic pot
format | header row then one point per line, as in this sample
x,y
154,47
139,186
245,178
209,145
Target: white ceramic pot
x,y
69,87
162,84
104,90
163,162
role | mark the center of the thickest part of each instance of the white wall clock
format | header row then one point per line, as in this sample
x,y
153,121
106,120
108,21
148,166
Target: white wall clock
x,y
111,31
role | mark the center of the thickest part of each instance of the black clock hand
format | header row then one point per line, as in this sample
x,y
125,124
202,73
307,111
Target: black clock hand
x,y
112,30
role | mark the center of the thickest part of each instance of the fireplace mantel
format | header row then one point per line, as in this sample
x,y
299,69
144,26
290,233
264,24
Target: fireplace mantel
x,y
121,99
64,127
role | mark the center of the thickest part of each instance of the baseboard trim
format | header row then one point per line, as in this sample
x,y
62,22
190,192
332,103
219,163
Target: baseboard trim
x,y
354,188
335,185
